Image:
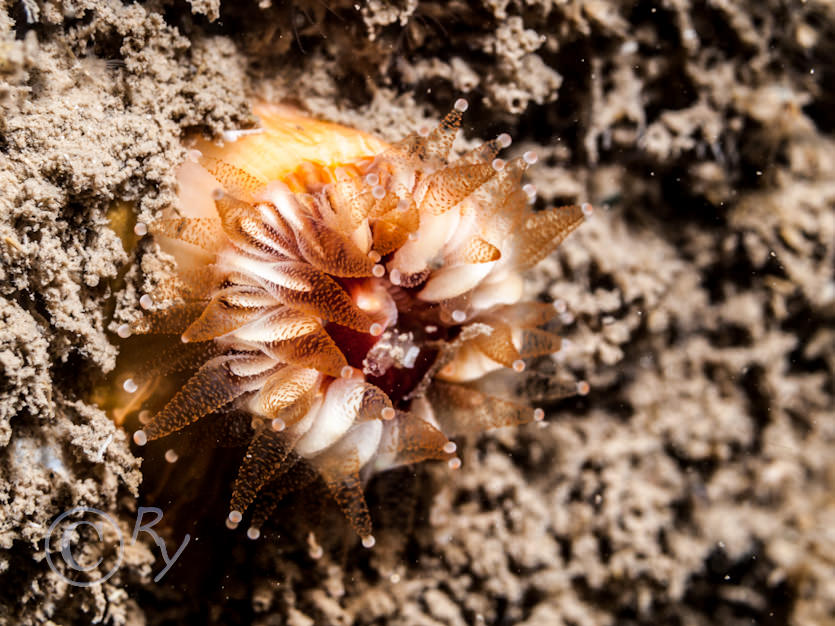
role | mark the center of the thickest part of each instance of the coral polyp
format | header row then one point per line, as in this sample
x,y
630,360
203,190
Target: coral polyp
x,y
356,303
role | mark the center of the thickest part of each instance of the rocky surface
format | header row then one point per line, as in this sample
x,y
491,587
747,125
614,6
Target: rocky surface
x,y
693,485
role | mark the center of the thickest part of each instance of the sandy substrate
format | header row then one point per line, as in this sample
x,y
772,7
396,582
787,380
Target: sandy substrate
x,y
694,485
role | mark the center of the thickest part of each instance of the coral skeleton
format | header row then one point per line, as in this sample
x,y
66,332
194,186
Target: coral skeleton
x,y
356,303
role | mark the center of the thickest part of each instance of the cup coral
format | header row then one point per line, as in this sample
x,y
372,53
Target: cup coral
x,y
357,304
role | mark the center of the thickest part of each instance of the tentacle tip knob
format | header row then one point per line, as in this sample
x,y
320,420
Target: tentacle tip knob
x,y
388,413
454,463
146,302
519,365
369,541
130,385
530,157
123,331
376,329
458,316
461,105
587,209
140,438
141,229
504,140
256,423
171,455
278,424
253,532
235,517
538,415
450,447
583,388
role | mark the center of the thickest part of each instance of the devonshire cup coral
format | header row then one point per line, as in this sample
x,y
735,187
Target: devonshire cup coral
x,y
350,305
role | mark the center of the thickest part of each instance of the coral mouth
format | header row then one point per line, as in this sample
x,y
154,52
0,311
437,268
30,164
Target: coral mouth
x,y
399,359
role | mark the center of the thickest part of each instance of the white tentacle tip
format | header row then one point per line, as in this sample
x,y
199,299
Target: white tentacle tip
x,y
253,532
123,331
538,415
140,438
130,385
461,105
583,388
235,517
231,136
141,229
369,541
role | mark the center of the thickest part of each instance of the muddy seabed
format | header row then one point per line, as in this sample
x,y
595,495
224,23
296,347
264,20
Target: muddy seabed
x,y
694,485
